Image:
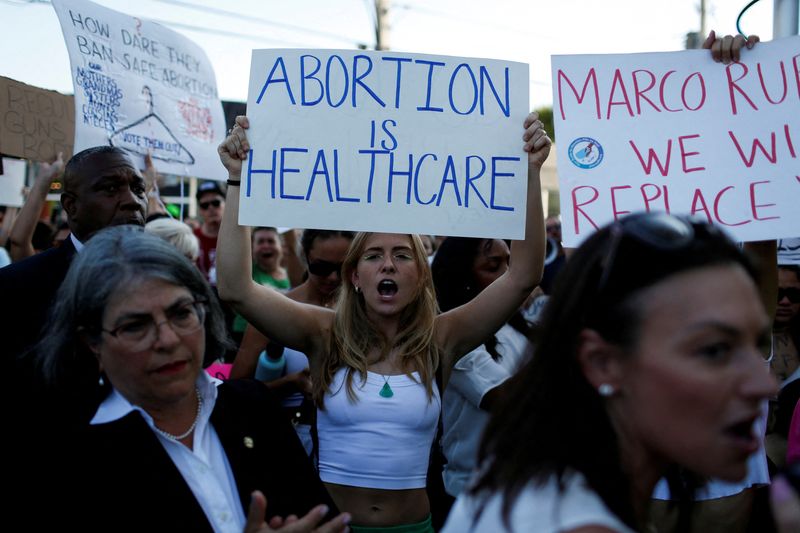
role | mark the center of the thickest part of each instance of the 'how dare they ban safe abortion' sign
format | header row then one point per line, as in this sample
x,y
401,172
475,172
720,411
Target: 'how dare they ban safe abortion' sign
x,y
385,141
677,132
142,87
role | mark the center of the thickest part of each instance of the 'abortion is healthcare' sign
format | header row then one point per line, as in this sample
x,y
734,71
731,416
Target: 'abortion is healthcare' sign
x,y
391,142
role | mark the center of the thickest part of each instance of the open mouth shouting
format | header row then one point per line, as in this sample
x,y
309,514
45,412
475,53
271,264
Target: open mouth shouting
x,y
387,288
743,435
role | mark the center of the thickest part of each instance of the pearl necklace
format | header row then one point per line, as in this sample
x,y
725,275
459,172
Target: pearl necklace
x,y
188,432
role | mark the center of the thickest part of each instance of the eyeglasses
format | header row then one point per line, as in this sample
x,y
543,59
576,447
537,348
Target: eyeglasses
x,y
141,333
661,231
324,268
206,205
793,293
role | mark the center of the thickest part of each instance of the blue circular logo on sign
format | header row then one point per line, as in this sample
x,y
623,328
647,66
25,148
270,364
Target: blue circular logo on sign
x,y
585,152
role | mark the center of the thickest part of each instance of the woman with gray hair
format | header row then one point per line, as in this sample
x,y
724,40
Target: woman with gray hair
x,y
168,446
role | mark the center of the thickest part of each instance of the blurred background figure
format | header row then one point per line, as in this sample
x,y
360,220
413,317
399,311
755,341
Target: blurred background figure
x,y
176,233
786,328
285,370
211,206
267,269
462,269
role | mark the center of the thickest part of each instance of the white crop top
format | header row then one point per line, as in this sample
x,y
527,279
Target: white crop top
x,y
377,442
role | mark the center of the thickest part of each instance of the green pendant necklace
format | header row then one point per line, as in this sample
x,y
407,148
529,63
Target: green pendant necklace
x,y
386,390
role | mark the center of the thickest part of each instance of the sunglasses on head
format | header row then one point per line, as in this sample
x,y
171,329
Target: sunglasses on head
x,y
206,205
660,231
793,293
323,268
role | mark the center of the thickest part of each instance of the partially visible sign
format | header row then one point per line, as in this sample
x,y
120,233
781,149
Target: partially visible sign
x,y
789,251
12,181
677,132
143,87
35,124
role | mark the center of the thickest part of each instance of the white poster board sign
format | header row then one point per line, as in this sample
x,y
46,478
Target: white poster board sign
x,y
677,132
12,181
789,251
143,87
384,141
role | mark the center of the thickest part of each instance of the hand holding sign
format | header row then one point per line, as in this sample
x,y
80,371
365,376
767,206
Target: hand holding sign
x,y
234,148
728,48
537,143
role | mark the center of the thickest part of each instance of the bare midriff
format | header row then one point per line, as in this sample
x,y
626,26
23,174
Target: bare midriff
x,y
381,507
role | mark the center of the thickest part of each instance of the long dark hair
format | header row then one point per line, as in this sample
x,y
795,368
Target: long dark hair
x,y
455,281
559,421
311,235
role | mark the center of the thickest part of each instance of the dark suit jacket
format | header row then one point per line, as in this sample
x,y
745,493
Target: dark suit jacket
x,y
120,478
27,290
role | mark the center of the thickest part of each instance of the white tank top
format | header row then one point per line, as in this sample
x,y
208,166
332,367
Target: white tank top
x,y
377,441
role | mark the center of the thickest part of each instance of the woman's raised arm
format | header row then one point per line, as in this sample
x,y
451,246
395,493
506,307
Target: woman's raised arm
x,y
298,326
462,329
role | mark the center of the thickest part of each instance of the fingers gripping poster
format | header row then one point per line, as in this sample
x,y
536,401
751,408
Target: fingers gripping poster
x,y
142,87
680,133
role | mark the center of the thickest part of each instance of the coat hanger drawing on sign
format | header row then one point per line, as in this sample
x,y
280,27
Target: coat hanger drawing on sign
x,y
150,133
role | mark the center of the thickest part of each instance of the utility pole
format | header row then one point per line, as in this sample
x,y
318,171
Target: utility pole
x,y
784,18
694,39
382,28
702,19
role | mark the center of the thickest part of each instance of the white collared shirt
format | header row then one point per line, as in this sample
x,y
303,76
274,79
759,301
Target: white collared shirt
x,y
76,243
205,468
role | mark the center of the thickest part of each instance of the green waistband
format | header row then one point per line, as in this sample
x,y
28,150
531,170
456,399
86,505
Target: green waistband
x,y
426,526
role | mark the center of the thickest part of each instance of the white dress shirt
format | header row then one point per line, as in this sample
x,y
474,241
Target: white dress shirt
x,y
205,467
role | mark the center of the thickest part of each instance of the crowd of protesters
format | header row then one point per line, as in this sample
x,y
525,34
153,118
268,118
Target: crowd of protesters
x,y
216,377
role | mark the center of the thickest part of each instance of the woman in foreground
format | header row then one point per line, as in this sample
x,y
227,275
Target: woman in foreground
x,y
373,359
168,448
649,363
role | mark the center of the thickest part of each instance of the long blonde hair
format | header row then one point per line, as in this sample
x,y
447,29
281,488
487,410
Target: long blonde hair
x,y
354,333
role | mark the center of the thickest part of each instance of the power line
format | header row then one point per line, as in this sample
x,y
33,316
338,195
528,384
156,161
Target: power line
x,y
238,35
235,35
267,22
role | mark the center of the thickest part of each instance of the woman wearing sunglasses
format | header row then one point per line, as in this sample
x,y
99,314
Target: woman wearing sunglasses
x,y
168,447
373,359
649,364
324,251
785,363
786,329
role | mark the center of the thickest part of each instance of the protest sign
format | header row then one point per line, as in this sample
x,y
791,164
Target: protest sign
x,y
789,251
36,124
384,141
12,181
677,132
142,87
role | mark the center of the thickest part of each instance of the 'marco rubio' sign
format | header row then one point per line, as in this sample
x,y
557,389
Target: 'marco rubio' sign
x,y
677,132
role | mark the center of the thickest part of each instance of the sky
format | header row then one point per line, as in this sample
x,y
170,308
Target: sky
x,y
33,49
